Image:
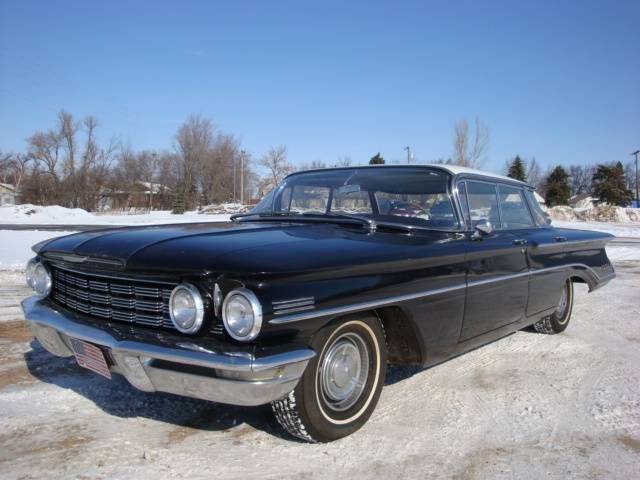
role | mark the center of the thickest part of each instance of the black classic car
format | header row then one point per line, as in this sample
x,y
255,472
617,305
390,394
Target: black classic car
x,y
303,301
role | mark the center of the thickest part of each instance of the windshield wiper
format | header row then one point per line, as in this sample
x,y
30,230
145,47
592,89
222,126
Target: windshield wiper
x,y
268,213
309,216
364,221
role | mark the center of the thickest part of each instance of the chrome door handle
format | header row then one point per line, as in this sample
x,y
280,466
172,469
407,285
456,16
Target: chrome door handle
x,y
561,239
520,241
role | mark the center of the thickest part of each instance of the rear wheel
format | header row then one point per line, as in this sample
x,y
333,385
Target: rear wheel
x,y
341,385
559,320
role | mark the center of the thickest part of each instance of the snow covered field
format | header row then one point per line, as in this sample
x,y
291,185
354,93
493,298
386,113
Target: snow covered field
x,y
55,215
528,406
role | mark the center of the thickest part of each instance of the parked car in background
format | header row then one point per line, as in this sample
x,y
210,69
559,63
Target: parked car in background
x,y
305,300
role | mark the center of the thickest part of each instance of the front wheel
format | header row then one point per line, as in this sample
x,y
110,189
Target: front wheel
x,y
341,385
559,320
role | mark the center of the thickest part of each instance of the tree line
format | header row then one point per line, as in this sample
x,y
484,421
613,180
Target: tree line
x,y
67,165
611,183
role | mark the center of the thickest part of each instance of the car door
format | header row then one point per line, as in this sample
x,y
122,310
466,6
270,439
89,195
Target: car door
x,y
498,272
546,250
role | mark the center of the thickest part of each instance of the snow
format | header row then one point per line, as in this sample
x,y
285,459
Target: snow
x,y
595,213
15,246
617,229
56,215
619,254
528,406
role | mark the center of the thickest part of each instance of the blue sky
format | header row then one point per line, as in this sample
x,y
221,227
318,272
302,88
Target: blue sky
x,y
556,80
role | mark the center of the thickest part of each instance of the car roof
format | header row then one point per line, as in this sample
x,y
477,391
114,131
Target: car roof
x,y
451,169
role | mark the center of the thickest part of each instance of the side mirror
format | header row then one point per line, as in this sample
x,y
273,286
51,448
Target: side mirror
x,y
481,229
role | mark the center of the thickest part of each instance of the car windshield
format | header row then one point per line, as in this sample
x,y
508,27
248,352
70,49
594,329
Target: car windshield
x,y
412,196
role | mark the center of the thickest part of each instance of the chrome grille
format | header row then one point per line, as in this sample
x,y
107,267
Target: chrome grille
x,y
122,300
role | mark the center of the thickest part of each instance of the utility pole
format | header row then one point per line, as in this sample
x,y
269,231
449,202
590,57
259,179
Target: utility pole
x,y
637,196
234,179
242,154
409,154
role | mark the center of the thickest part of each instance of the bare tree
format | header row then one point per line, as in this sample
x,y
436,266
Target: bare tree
x,y
580,179
314,165
45,148
470,152
534,177
194,140
630,174
221,168
343,162
276,164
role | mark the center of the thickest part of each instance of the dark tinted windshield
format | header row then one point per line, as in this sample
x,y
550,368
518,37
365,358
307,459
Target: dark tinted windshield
x,y
412,196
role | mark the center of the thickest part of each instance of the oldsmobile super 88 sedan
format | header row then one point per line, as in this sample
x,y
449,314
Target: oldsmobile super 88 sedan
x,y
303,301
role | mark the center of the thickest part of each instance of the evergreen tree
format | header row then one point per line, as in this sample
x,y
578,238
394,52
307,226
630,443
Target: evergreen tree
x,y
178,204
609,184
557,187
517,169
376,159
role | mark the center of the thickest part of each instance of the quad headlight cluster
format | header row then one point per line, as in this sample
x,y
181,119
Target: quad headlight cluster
x,y
38,277
240,309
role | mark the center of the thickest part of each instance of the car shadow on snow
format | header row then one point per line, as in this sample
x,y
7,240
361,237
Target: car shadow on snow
x,y
118,398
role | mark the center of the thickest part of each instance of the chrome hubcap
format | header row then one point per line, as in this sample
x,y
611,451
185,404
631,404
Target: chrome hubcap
x,y
562,306
344,371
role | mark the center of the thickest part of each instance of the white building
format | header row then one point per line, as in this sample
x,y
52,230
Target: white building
x,y
7,194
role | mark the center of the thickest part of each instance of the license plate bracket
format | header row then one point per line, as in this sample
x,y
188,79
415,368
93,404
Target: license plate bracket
x,y
91,357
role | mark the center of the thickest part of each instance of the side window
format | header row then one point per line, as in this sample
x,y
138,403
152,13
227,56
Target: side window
x,y
515,213
483,203
464,204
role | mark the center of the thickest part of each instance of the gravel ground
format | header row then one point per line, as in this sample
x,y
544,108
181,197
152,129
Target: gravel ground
x,y
527,406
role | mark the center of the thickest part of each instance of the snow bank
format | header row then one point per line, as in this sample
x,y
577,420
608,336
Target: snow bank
x,y
563,213
28,214
595,213
225,208
52,214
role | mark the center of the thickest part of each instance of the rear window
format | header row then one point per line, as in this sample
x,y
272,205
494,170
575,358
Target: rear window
x,y
513,208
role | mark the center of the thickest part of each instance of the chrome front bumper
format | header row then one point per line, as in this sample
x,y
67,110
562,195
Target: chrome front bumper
x,y
151,363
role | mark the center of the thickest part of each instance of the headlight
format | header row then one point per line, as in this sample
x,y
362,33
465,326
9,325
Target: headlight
x,y
186,308
242,314
38,278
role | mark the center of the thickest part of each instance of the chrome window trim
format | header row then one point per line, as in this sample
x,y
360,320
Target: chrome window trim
x,y
465,177
327,312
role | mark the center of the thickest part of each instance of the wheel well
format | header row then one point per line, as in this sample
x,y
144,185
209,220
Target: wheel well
x,y
403,347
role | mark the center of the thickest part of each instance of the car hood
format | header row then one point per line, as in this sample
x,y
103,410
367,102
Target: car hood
x,y
245,247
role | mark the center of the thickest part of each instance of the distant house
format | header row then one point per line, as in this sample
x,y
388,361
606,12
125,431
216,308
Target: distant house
x,y
141,195
584,200
7,194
